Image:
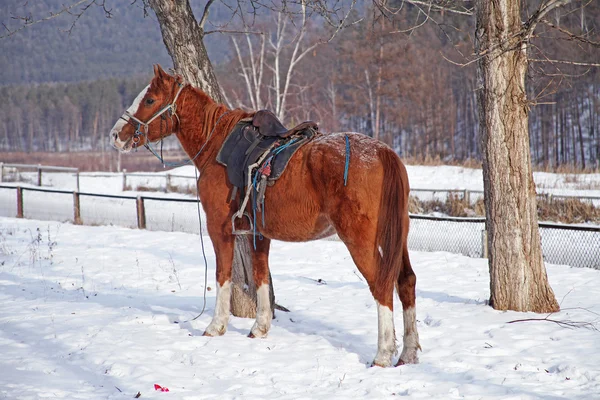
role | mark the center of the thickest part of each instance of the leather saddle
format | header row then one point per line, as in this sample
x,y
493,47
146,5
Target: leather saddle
x,y
269,125
252,138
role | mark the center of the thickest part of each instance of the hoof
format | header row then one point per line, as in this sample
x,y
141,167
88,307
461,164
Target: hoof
x,y
257,334
414,360
376,364
214,332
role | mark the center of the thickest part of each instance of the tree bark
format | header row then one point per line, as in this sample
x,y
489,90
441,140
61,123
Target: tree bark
x,y
518,279
183,38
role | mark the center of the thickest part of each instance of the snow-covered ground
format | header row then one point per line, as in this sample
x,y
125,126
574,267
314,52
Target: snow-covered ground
x,y
90,313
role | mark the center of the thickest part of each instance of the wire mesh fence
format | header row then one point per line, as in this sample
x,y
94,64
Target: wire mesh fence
x,y
578,246
48,205
456,235
571,245
173,215
108,210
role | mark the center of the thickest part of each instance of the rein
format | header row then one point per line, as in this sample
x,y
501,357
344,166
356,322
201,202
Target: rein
x,y
188,161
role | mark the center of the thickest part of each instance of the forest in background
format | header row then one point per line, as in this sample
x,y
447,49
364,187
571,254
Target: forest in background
x,y
415,90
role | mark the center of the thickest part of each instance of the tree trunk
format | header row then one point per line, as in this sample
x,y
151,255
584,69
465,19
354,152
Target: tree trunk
x,y
183,38
518,279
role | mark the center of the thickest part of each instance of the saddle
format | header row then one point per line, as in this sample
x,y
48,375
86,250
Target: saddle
x,y
269,125
256,153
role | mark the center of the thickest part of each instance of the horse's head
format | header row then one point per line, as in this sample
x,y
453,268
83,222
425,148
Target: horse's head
x,y
152,116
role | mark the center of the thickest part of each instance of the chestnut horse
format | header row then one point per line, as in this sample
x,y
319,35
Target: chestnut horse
x,y
308,202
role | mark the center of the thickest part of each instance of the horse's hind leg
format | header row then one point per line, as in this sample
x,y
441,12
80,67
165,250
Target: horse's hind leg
x,y
260,267
406,291
223,245
364,257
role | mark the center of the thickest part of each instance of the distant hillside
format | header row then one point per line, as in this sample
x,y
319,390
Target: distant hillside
x,y
98,47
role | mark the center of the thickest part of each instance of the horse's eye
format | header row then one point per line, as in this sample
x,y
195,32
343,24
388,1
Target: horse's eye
x,y
149,101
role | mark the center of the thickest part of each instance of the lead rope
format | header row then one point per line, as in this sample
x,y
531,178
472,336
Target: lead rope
x,y
203,252
199,212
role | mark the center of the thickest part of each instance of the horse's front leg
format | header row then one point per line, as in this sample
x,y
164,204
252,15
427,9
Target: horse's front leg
x,y
260,267
223,245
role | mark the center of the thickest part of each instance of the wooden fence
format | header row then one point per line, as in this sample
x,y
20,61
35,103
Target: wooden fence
x,y
466,194
561,244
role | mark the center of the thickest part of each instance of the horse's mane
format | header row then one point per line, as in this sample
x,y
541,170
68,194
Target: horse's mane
x,y
212,113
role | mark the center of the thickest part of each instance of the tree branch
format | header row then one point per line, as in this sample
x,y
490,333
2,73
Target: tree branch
x,y
205,14
583,64
571,35
28,21
539,15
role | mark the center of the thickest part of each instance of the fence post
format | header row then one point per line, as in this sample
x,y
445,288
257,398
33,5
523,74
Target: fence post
x,y
484,244
39,177
141,213
124,179
168,185
77,176
19,202
1,171
76,209
467,197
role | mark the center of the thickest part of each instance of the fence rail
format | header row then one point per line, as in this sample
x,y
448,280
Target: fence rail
x,y
131,181
39,170
573,245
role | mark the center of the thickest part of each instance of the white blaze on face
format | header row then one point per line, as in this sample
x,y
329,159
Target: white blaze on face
x,y
114,132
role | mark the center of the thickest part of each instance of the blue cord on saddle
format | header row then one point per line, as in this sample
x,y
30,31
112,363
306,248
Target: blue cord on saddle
x,y
347,160
266,166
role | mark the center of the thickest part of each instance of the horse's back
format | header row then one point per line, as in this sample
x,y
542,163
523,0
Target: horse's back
x,y
311,197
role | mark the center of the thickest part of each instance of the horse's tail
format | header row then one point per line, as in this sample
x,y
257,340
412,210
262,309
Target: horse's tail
x,y
392,224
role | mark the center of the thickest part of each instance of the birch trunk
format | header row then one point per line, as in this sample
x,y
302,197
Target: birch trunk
x,y
518,279
183,38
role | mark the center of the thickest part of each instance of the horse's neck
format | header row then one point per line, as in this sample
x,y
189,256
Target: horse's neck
x,y
199,136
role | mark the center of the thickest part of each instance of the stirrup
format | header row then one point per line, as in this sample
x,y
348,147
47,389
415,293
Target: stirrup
x,y
241,232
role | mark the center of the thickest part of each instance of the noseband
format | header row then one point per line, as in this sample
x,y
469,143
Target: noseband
x,y
171,108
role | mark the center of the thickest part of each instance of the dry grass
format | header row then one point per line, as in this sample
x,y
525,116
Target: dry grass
x,y
565,169
437,161
141,160
191,190
454,205
569,211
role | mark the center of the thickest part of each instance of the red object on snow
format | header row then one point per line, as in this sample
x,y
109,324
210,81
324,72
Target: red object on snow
x,y
160,388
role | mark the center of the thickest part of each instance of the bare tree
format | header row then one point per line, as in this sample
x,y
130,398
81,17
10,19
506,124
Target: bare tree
x,y
518,279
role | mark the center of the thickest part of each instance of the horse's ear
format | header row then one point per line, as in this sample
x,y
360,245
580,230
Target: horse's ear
x,y
158,71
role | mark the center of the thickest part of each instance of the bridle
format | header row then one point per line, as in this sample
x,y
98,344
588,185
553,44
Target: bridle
x,y
171,107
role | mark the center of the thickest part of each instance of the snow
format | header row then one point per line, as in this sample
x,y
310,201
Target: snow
x,y
90,313
103,312
443,177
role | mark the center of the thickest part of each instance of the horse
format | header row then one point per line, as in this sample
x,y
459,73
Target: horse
x,y
309,201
